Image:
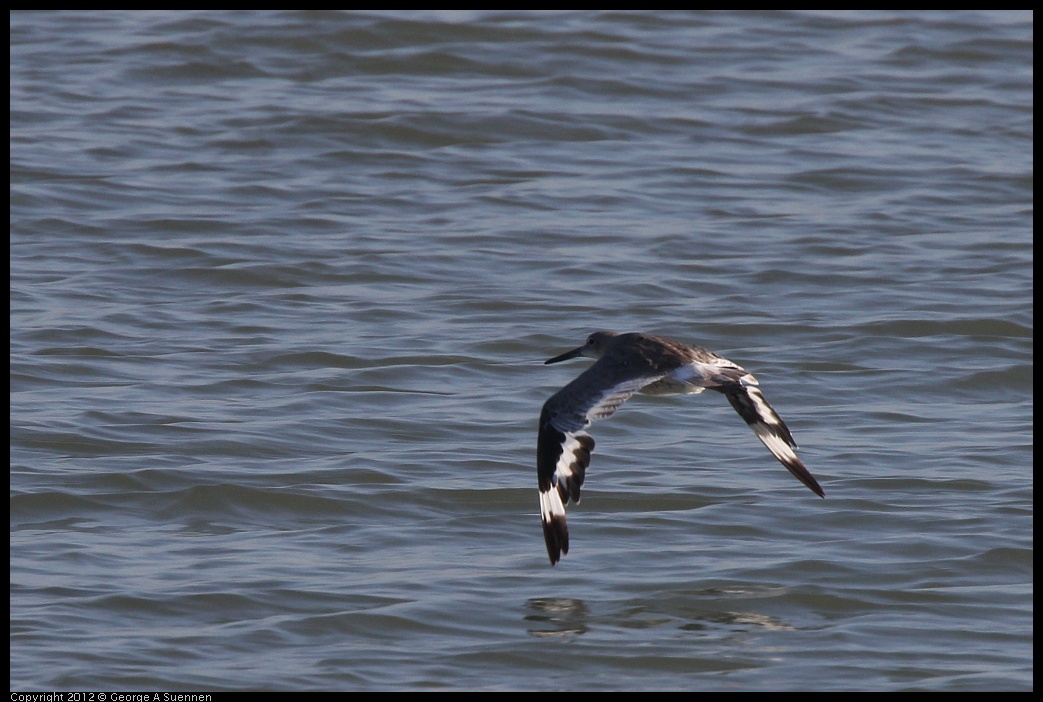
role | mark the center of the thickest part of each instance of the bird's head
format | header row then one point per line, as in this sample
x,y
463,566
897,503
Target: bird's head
x,y
594,347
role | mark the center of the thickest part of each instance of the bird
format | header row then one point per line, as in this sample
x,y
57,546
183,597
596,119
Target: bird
x,y
626,364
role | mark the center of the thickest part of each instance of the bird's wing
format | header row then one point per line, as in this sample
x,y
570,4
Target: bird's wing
x,y
563,448
749,402
744,393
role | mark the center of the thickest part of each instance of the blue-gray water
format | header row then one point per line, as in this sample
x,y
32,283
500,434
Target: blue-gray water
x,y
281,289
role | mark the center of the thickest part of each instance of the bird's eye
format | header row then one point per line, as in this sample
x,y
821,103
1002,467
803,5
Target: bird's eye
x,y
590,341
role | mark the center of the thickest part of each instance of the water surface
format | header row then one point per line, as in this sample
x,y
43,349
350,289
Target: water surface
x,y
281,289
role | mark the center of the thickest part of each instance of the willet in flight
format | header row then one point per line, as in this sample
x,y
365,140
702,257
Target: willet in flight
x,y
629,363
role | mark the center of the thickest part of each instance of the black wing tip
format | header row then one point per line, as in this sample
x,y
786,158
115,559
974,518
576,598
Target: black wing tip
x,y
804,475
556,534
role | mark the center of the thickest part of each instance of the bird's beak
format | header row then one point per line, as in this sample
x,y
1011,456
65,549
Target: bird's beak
x,y
565,356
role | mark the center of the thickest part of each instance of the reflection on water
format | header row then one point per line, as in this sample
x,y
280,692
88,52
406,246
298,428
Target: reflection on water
x,y
561,616
557,616
744,620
